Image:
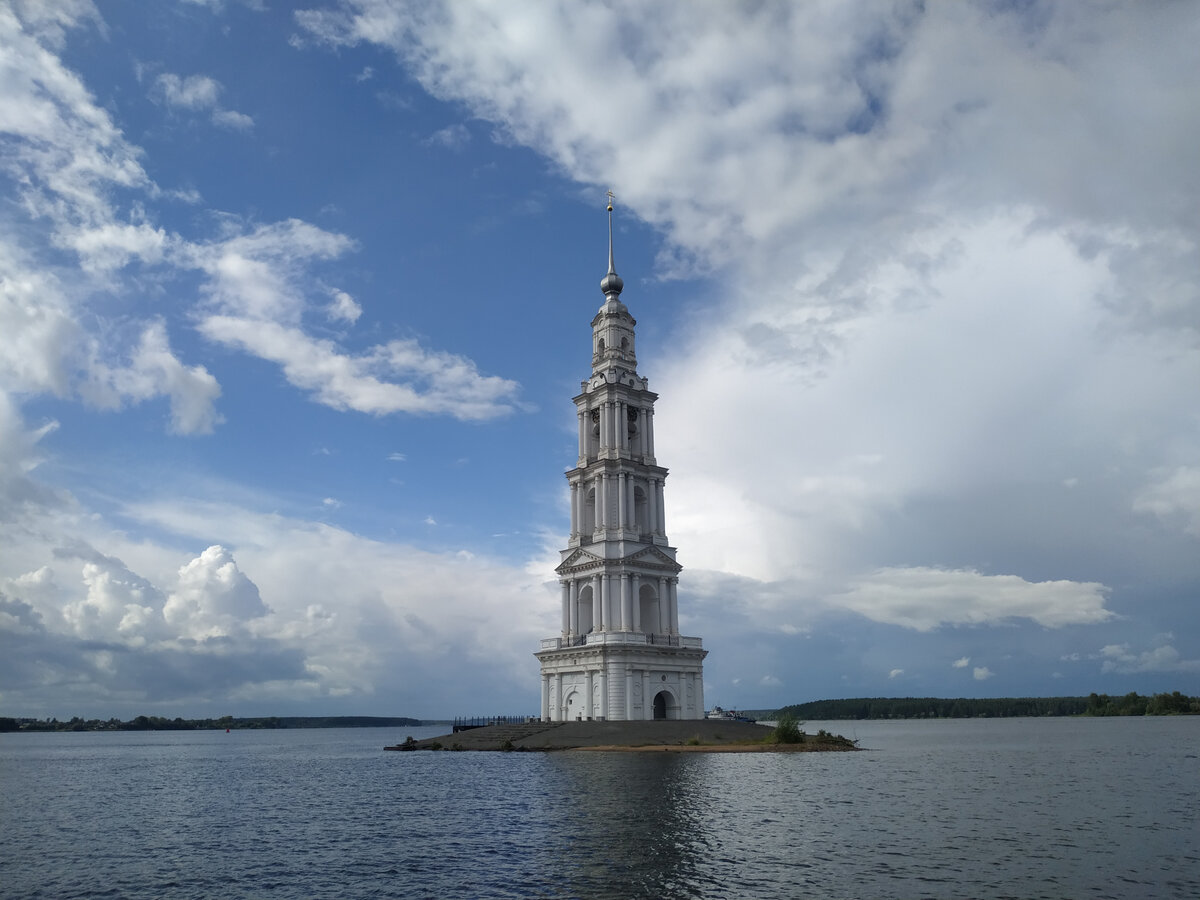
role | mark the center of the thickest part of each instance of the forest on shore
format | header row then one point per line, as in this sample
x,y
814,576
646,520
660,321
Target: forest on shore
x,y
160,723
1132,704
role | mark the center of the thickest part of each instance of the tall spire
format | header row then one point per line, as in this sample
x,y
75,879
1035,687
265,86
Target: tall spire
x,y
612,285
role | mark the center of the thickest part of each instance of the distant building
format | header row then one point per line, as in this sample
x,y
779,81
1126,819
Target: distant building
x,y
620,654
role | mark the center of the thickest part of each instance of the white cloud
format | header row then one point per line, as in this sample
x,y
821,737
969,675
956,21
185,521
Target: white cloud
x,y
67,156
1164,658
197,93
258,299
397,457
452,137
983,673
235,121
259,602
344,307
961,663
895,673
1173,494
152,371
430,382
192,92
822,108
770,681
44,349
952,241
925,598
213,598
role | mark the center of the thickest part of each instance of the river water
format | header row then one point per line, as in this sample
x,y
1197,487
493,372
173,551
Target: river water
x,y
1021,808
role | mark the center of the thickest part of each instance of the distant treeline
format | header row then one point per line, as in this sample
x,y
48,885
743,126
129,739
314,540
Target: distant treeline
x,y
1003,707
159,723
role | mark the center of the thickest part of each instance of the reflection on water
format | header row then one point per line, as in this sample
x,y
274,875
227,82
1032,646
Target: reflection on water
x,y
637,828
997,808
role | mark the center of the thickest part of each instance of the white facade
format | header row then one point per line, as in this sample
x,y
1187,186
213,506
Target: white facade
x,y
619,654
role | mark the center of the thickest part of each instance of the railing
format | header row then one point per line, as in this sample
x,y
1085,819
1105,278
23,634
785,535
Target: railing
x,y
616,637
559,643
466,723
623,637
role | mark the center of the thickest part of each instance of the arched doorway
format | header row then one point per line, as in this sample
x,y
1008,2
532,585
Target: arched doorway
x,y
573,707
665,706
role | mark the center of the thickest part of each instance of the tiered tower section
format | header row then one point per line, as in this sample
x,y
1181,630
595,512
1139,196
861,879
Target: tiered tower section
x,y
620,654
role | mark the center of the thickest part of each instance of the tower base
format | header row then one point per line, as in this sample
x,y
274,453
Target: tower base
x,y
622,676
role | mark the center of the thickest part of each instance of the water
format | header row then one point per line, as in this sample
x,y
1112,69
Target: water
x,y
1028,808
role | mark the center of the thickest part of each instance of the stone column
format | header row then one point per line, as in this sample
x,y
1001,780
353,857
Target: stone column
x,y
626,604
603,693
583,436
622,427
587,710
605,612
651,506
598,504
575,520
661,512
566,609
647,700
545,698
612,424
664,603
559,713
634,590
673,590
596,602
622,509
650,432
573,624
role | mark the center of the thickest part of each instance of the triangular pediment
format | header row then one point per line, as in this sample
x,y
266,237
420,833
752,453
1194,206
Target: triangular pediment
x,y
653,556
578,560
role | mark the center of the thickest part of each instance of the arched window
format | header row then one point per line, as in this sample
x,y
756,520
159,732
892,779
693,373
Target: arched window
x,y
648,610
584,615
588,525
640,512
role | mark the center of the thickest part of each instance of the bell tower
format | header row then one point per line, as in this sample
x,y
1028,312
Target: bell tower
x,y
620,654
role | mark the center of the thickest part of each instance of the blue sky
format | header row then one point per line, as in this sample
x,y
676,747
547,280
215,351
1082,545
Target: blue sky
x,y
294,298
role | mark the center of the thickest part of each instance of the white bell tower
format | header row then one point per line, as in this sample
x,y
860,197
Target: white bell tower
x,y
620,654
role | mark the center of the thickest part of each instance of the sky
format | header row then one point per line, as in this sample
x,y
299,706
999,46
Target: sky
x,y
294,298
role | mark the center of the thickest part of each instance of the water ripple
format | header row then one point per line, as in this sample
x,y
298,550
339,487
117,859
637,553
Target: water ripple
x,y
1011,808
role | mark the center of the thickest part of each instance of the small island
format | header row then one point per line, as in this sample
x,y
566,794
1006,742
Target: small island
x,y
657,735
